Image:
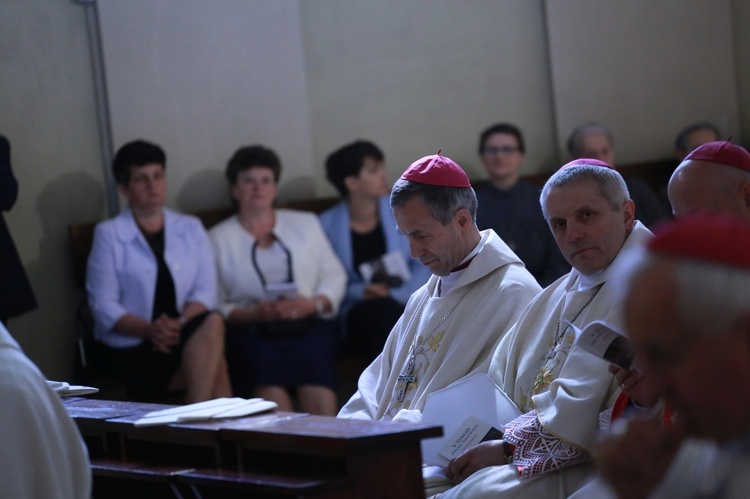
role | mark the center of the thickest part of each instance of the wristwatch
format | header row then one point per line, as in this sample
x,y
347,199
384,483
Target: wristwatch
x,y
320,306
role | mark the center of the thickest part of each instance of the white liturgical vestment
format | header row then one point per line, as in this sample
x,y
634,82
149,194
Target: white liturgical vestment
x,y
41,452
540,369
452,335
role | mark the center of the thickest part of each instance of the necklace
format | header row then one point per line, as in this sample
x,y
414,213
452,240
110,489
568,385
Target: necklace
x,y
544,378
407,375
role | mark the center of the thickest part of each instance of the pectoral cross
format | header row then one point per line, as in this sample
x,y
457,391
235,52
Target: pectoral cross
x,y
404,379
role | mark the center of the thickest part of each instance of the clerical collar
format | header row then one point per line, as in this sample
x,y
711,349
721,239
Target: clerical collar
x,y
446,282
466,261
586,282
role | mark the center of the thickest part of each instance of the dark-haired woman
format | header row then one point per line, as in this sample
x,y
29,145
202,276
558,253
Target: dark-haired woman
x,y
362,230
151,285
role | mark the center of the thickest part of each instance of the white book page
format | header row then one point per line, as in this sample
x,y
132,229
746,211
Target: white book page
x,y
476,396
276,291
203,411
605,341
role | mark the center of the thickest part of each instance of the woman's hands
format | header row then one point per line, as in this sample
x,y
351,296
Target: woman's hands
x,y
165,333
295,309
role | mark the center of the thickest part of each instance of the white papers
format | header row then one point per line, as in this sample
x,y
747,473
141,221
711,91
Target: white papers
x,y
605,341
454,408
391,268
276,291
65,389
220,408
470,433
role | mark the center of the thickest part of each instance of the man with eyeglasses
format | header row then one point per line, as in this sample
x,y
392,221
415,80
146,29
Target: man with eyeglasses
x,y
510,206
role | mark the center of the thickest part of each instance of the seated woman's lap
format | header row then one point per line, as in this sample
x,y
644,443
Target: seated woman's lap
x,y
256,359
142,365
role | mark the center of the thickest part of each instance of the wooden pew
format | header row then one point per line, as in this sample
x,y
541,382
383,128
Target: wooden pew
x,y
277,454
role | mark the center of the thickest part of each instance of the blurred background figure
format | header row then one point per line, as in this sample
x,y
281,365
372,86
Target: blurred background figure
x,y
280,286
510,206
687,312
362,230
151,283
16,295
689,138
594,140
694,135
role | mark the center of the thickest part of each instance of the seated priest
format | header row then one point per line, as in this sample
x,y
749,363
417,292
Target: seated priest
x,y
559,387
451,324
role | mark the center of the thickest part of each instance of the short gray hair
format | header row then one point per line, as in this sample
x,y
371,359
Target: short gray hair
x,y
609,182
443,202
576,136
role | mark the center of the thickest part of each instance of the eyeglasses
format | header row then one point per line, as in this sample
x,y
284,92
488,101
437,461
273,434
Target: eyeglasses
x,y
505,150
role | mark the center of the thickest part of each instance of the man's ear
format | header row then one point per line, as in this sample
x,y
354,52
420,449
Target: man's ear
x,y
628,210
464,218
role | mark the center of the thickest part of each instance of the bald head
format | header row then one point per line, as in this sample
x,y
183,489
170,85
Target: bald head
x,y
699,186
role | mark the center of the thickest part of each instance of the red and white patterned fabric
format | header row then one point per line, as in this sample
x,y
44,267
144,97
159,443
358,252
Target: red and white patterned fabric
x,y
537,450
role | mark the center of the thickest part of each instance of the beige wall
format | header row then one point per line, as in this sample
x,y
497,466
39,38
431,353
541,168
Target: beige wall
x,y
202,78
305,77
646,69
48,113
422,75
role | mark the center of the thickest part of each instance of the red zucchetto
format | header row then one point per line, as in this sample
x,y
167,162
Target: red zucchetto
x,y
587,161
437,170
722,152
711,238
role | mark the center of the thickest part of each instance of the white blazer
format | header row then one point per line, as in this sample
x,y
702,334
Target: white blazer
x,y
121,274
315,267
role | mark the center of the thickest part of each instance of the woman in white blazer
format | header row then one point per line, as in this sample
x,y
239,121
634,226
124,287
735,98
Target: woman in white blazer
x,y
151,284
280,284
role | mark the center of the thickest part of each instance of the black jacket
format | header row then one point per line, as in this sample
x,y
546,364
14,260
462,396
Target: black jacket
x,y
16,295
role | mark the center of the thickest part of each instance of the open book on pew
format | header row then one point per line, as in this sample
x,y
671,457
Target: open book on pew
x,y
605,341
65,389
221,408
471,410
